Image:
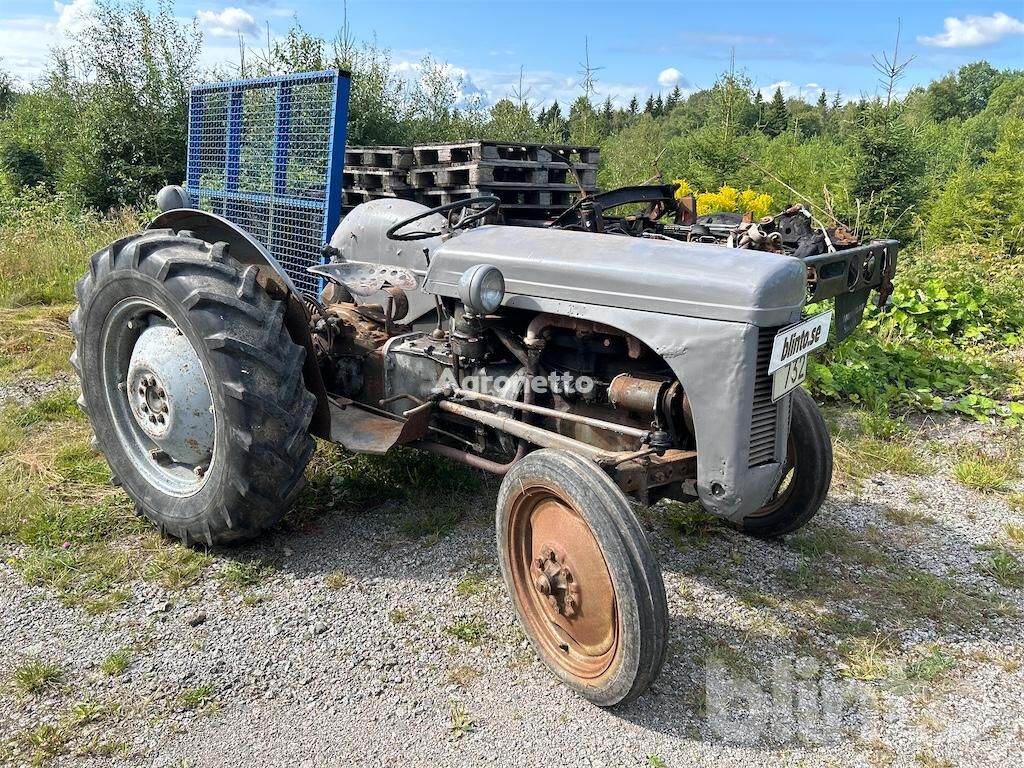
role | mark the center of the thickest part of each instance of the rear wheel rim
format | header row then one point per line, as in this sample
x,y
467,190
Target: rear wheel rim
x,y
159,398
563,585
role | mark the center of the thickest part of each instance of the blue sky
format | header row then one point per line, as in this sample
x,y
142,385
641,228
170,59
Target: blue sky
x,y
640,47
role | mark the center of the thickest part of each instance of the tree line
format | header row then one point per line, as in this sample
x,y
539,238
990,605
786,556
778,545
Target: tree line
x,y
106,126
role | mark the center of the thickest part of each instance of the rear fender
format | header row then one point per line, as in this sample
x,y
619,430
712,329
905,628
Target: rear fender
x,y
248,250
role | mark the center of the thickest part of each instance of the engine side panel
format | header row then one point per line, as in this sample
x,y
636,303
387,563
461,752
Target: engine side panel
x,y
716,363
657,276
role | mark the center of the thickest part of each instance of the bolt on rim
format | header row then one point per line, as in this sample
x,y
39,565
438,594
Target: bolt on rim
x,y
159,397
563,586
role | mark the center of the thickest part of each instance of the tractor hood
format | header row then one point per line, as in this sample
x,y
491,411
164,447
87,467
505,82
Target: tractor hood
x,y
662,276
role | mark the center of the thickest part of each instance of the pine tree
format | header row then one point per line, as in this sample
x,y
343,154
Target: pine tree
x,y
634,106
777,115
673,99
649,105
659,107
837,100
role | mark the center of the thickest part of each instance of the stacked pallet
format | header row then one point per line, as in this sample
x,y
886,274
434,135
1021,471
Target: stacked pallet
x,y
533,181
374,172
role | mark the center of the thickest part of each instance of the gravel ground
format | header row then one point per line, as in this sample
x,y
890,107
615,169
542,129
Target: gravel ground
x,y
295,673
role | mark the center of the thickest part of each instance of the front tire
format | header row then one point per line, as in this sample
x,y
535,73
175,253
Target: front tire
x,y
806,476
584,581
193,386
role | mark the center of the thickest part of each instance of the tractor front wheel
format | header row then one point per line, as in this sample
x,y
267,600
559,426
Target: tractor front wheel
x,y
582,576
193,386
806,475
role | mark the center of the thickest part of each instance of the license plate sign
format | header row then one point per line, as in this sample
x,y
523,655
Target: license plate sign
x,y
798,340
789,377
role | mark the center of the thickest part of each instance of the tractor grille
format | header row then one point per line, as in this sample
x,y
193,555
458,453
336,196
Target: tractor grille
x,y
267,155
765,418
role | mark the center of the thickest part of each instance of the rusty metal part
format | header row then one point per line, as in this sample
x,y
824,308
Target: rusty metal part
x,y
562,583
536,435
638,474
842,237
642,434
364,429
635,393
534,331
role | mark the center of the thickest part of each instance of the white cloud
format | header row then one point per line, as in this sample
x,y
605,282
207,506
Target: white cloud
x,y
808,91
974,31
73,17
670,77
230,22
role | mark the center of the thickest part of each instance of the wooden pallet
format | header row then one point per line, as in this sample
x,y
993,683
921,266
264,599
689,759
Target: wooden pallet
x,y
511,197
455,153
398,158
353,196
513,173
375,178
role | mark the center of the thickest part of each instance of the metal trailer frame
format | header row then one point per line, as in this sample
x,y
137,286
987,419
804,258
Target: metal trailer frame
x,y
314,214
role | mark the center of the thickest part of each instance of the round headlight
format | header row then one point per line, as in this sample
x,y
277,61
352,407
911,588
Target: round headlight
x,y
482,288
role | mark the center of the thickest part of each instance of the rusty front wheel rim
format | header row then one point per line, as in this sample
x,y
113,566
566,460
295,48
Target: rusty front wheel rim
x,y
563,586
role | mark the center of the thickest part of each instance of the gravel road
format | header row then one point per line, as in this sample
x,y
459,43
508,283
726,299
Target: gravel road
x,y
298,673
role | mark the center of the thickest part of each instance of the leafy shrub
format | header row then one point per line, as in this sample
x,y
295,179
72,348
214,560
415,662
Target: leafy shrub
x,y
949,340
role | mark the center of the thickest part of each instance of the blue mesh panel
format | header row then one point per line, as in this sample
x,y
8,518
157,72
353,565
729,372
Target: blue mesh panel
x,y
267,154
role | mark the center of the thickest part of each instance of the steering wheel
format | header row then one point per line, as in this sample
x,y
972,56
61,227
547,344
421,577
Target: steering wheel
x,y
493,203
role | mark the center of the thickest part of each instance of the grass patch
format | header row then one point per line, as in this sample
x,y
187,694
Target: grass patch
x,y
36,676
336,580
241,575
460,722
59,407
1015,533
1015,501
867,658
930,664
201,697
1004,568
985,473
398,616
470,631
35,342
354,484
907,517
175,567
858,457
471,584
836,565
690,521
117,662
44,253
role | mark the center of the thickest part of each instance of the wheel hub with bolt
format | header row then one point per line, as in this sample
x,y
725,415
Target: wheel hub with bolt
x,y
555,582
169,396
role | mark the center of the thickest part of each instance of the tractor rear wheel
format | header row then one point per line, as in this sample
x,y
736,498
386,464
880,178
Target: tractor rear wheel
x,y
193,386
582,576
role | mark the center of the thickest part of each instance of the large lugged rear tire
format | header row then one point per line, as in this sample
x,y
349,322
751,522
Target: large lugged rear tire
x,y
805,479
193,386
582,576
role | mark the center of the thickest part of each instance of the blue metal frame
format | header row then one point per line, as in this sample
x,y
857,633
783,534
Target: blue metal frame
x,y
231,197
